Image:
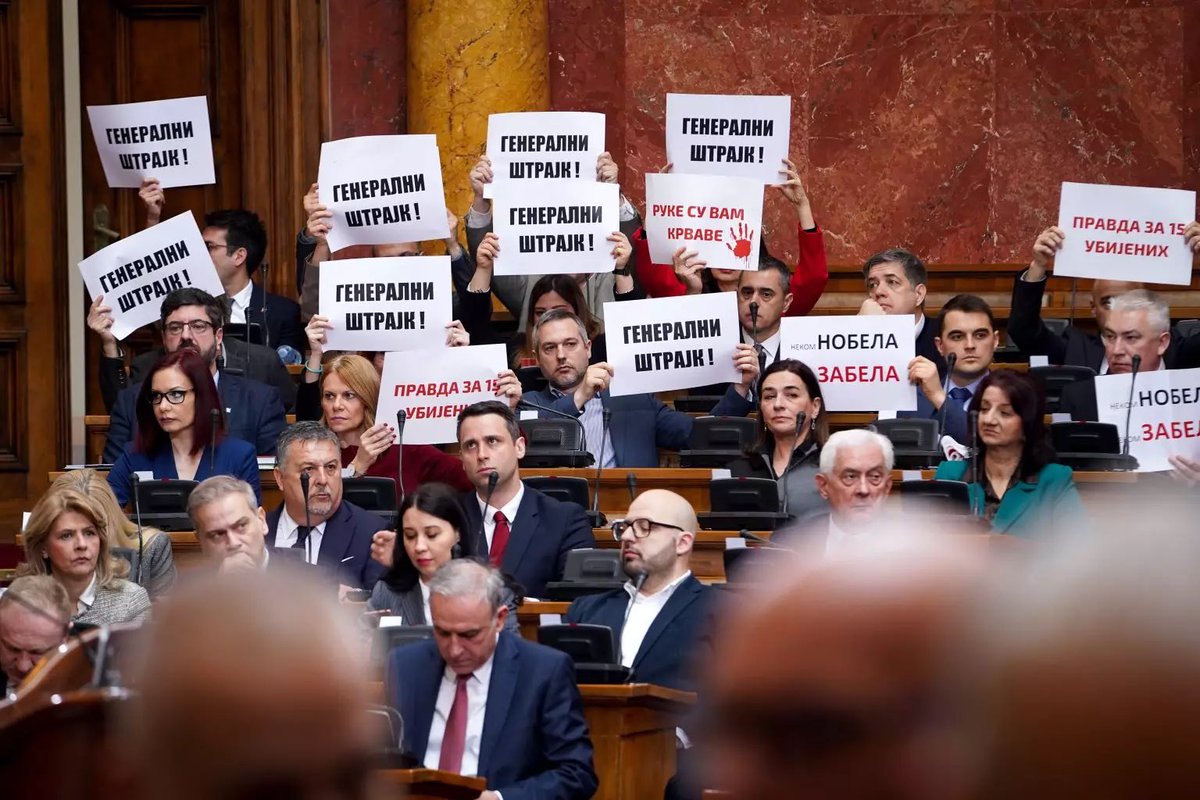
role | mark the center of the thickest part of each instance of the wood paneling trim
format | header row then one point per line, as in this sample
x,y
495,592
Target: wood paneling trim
x,y
14,410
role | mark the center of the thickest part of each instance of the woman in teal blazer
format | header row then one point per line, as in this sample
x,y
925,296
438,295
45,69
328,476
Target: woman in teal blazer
x,y
1017,488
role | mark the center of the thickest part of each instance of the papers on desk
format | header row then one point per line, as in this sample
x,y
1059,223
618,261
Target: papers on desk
x,y
266,463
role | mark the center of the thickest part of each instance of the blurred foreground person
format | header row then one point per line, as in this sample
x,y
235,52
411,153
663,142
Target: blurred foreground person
x,y
205,729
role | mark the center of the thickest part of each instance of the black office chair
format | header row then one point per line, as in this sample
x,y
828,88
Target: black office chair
x,y
935,498
588,571
736,503
554,442
531,379
374,494
388,639
163,504
1057,325
592,647
1053,379
252,333
915,441
700,400
716,441
1090,446
1188,327
567,490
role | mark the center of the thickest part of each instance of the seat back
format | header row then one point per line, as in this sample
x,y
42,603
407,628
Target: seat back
x,y
1053,379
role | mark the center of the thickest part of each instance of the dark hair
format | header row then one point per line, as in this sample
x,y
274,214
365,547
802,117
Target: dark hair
x,y
483,409
437,500
217,308
1029,401
914,268
150,437
302,431
242,229
768,263
967,304
811,385
568,288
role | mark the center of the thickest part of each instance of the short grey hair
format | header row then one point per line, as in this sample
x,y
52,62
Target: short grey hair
x,y
1158,313
306,431
556,315
855,438
212,489
465,577
43,595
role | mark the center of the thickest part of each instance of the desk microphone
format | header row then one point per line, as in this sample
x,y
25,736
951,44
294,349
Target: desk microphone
x,y
639,580
493,479
631,484
137,513
600,463
307,519
795,444
401,418
950,359
754,321
215,419
1137,364
523,403
763,542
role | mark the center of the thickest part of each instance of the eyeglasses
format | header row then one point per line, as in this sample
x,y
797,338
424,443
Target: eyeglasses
x,y
196,326
174,397
641,527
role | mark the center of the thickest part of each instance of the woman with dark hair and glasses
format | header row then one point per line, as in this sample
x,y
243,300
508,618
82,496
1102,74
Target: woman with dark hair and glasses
x,y
176,437
792,430
1015,486
433,531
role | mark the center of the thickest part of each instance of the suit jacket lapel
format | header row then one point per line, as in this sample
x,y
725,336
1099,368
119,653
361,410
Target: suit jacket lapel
x,y
336,540
273,525
684,596
470,506
424,699
412,607
505,672
1008,514
163,465
521,530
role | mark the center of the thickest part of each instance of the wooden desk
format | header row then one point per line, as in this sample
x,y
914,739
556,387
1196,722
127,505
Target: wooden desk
x,y
433,784
632,728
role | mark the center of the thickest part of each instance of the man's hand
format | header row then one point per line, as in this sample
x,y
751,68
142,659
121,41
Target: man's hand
x,y
479,176
152,196
240,561
1186,470
489,795
1191,235
745,359
688,266
509,388
793,189
1044,247
456,335
621,251
923,373
100,320
320,221
596,379
383,547
606,168
373,442
312,200
870,308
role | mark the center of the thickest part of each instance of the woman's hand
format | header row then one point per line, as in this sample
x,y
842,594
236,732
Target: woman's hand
x,y
372,444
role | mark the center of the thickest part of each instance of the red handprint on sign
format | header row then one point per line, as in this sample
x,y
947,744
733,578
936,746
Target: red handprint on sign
x,y
741,243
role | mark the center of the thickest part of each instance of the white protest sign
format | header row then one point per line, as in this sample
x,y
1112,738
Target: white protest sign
x,y
1125,233
433,386
386,303
383,190
1165,419
861,362
672,342
743,136
135,273
543,145
552,227
718,217
164,139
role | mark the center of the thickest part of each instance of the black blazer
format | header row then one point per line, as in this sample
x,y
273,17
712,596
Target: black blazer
x,y
253,414
282,322
544,531
926,346
672,644
345,552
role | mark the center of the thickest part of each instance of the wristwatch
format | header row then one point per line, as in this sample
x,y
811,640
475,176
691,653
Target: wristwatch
x,y
624,272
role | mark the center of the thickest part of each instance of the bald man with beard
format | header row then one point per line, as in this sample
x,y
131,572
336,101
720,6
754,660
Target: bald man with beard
x,y
252,686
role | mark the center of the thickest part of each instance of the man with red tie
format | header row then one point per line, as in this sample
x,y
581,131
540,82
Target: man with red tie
x,y
478,700
526,534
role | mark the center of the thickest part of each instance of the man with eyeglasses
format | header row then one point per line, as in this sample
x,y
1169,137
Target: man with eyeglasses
x,y
193,319
669,615
1074,347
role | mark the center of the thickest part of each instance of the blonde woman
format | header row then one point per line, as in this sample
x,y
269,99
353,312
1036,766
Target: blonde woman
x,y
68,538
157,573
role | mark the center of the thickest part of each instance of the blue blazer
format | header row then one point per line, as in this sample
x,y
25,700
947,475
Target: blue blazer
x,y
1031,510
544,531
253,413
233,457
957,421
535,742
641,423
669,649
345,552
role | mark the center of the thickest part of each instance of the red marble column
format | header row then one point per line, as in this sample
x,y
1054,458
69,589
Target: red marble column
x,y
366,67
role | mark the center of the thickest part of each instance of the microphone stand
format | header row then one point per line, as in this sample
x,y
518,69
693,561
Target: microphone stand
x,y
754,323
137,513
782,479
639,581
631,484
493,479
1137,364
401,418
596,515
266,332
307,519
973,460
215,419
950,359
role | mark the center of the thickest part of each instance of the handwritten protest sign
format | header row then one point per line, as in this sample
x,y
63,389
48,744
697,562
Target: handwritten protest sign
x,y
718,217
433,386
383,190
386,303
672,342
550,227
135,273
743,136
164,139
1125,233
543,145
861,362
1164,420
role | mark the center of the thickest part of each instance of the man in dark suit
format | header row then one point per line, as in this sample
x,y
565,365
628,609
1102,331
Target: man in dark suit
x,y
192,320
643,423
231,527
896,284
480,701
669,616
525,533
334,534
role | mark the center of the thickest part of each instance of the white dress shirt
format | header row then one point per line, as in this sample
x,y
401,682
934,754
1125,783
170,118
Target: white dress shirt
x,y
591,417
644,610
238,304
489,514
286,534
770,345
87,598
477,693
919,325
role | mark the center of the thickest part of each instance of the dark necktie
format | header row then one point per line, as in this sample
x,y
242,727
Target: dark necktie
x,y
762,358
454,740
499,539
960,394
302,532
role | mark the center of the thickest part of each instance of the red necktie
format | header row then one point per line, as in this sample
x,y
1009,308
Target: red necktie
x,y
499,539
454,739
